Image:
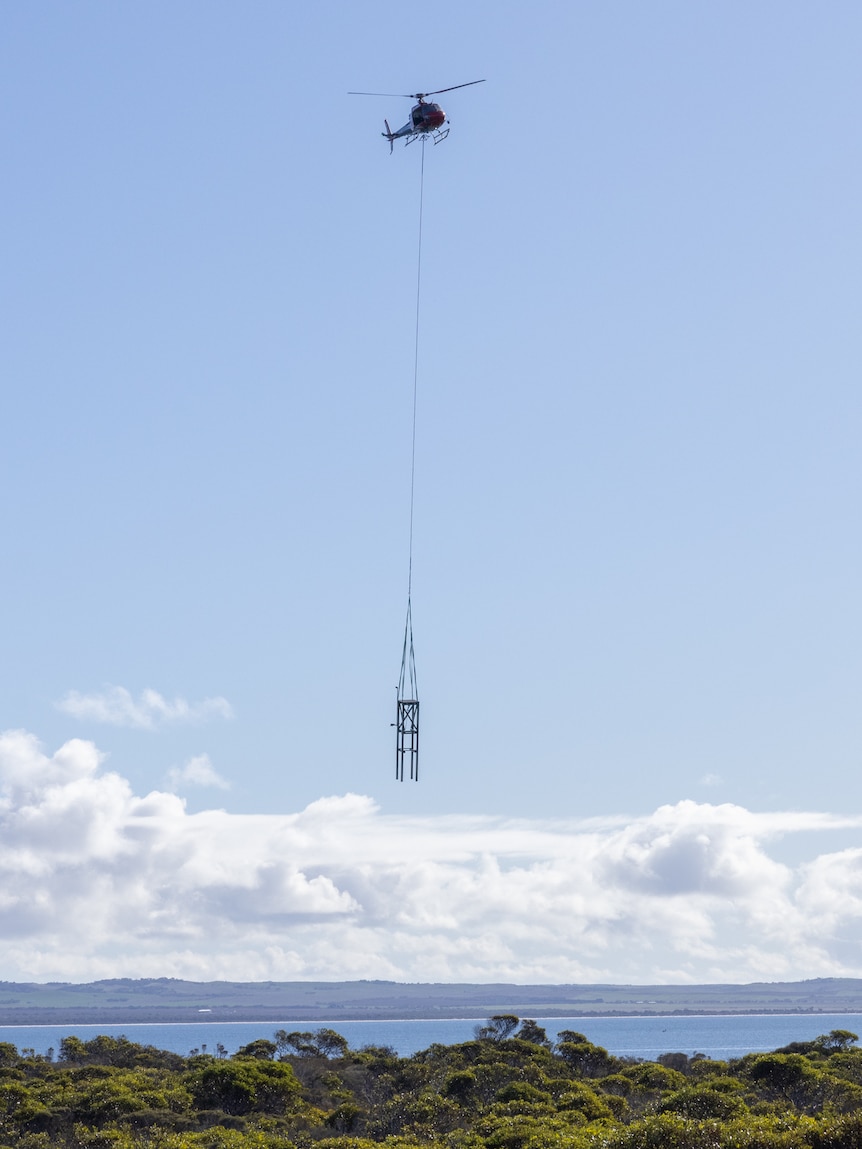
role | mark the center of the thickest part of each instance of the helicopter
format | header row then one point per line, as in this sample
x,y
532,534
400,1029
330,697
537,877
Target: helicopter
x,y
425,118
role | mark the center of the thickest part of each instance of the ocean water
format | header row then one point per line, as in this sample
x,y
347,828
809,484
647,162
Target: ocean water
x,y
720,1037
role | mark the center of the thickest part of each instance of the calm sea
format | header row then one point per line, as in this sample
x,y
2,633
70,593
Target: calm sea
x,y
647,1037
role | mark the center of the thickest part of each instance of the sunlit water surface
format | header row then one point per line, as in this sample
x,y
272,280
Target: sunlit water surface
x,y
647,1037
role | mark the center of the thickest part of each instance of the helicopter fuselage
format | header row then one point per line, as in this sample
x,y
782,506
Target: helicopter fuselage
x,y
427,117
424,118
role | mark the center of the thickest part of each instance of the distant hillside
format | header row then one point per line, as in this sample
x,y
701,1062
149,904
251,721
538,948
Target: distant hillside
x,y
124,1000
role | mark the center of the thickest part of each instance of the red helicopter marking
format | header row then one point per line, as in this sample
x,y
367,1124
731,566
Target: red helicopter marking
x,y
433,116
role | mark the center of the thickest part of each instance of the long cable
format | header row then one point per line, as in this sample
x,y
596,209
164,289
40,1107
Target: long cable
x,y
408,669
416,366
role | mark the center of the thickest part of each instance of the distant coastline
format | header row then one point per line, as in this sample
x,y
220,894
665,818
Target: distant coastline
x,y
127,1001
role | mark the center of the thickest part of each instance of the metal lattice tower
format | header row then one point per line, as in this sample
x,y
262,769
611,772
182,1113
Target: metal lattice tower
x,y
407,746
407,715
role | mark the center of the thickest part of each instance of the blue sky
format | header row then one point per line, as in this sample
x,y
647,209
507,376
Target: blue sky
x,y
636,558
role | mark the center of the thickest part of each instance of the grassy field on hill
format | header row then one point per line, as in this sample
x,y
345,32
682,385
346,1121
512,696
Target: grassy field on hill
x,y
121,1000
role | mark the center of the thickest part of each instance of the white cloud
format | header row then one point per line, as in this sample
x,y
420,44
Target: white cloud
x,y
198,771
96,881
115,706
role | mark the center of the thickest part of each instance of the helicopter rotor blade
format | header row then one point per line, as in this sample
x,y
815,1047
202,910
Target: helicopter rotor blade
x,y
395,95
418,95
440,91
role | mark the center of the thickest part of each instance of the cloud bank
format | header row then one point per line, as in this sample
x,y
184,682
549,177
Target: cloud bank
x,y
115,706
96,881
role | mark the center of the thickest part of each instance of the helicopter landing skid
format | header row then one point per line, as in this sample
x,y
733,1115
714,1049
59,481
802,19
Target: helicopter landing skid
x,y
438,137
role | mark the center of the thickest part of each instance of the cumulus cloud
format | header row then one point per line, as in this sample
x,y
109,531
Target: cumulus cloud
x,y
97,881
115,706
198,771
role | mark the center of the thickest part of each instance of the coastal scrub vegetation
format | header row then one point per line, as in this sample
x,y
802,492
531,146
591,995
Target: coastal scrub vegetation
x,y
509,1088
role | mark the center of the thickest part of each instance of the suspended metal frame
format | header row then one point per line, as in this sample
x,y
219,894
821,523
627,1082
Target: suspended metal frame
x,y
407,714
407,747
